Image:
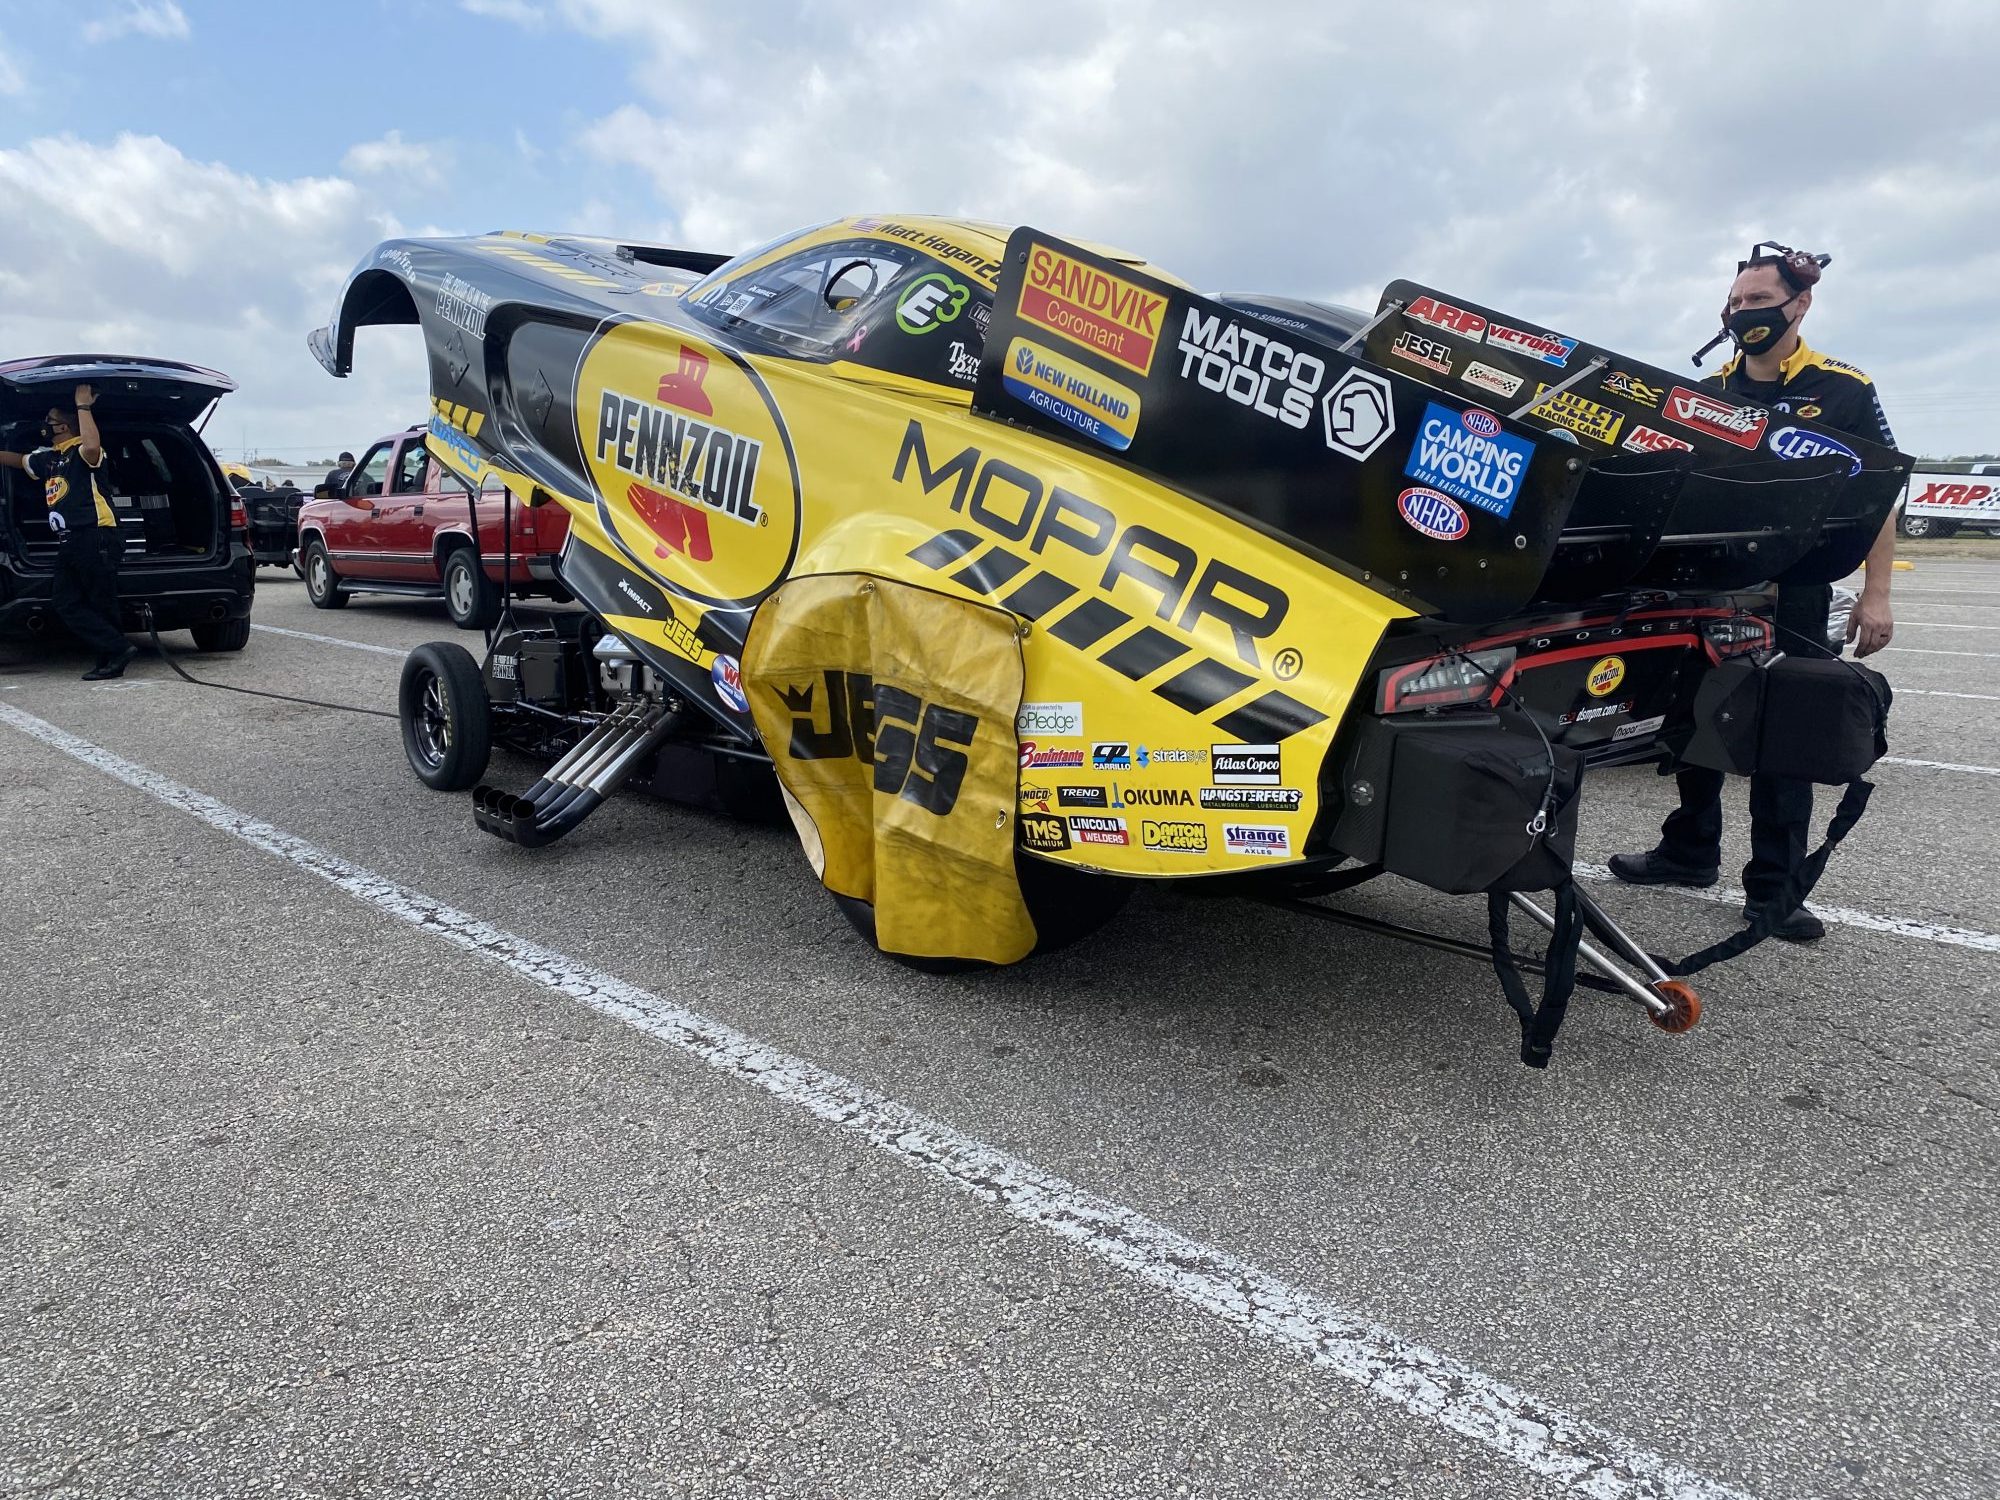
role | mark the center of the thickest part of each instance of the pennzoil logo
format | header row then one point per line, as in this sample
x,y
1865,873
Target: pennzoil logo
x,y
690,459
1605,675
1115,317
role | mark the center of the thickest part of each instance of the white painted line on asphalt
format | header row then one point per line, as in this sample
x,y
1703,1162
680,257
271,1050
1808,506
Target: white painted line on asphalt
x,y
1943,625
1903,692
1929,932
1932,651
330,640
1514,1423
1941,765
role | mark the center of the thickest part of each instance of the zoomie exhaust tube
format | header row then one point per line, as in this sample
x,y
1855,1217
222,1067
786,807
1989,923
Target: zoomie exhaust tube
x,y
557,778
603,779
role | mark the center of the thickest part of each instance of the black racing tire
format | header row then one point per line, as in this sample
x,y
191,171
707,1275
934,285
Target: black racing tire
x,y
1066,904
470,597
221,635
447,721
322,583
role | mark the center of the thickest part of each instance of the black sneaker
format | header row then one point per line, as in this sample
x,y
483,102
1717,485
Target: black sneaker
x,y
1655,868
1800,926
104,671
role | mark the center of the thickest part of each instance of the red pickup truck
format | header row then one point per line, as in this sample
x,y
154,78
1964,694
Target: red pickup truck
x,y
403,525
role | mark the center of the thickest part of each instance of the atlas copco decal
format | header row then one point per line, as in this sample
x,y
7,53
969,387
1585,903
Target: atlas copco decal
x,y
1741,425
1796,442
1246,765
1252,369
1469,457
1437,516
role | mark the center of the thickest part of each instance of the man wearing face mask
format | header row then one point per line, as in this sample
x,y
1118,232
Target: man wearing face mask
x,y
1775,367
85,587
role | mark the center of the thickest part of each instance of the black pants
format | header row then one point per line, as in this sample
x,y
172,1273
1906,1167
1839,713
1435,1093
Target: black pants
x,y
85,591
1780,808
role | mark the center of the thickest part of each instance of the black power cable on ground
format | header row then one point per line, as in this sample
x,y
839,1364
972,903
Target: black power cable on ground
x,y
153,630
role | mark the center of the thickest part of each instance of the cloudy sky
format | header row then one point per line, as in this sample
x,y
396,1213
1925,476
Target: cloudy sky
x,y
194,178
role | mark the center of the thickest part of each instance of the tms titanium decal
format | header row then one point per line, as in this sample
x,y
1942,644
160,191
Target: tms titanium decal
x,y
1796,442
1470,458
1045,833
1074,394
1092,308
1014,505
1250,368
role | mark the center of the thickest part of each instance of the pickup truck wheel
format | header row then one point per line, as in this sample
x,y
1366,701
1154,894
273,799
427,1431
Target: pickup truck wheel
x,y
470,597
322,583
447,722
222,635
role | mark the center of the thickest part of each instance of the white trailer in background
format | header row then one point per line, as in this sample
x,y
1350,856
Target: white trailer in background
x,y
1941,502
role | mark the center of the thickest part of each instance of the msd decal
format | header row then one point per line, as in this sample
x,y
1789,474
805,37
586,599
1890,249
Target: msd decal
x,y
1741,425
1796,442
1467,325
1646,440
1549,348
1092,308
1457,453
1437,516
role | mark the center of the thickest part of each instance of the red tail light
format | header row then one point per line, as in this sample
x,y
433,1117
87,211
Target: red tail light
x,y
239,518
1443,681
1739,635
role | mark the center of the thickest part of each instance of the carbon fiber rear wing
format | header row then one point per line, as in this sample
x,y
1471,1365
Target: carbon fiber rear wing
x,y
1396,473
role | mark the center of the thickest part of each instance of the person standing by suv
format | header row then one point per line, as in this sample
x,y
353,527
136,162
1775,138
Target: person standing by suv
x,y
85,587
1775,367
336,477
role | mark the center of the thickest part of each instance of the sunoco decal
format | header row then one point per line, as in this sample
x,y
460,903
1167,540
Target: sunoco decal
x,y
1092,308
1470,457
1073,394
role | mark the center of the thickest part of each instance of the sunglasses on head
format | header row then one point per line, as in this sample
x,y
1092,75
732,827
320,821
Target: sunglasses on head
x,y
1798,269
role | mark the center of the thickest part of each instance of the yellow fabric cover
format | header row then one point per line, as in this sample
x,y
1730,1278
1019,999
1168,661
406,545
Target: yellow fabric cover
x,y
890,713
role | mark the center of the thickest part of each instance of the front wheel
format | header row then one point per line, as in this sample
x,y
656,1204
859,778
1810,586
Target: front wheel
x,y
221,635
470,597
447,723
322,586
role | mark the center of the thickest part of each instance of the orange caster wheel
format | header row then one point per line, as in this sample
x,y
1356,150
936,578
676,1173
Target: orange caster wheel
x,y
1683,1012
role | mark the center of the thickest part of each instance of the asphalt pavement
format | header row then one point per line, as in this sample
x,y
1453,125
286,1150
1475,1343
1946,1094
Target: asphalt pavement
x,y
348,1151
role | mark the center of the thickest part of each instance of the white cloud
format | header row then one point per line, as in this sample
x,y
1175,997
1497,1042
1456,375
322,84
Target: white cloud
x,y
155,18
135,247
520,12
1597,168
392,156
13,82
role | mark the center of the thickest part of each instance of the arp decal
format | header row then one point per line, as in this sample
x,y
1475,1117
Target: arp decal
x,y
1092,308
1703,412
918,750
693,466
1469,457
1467,325
1074,394
1796,442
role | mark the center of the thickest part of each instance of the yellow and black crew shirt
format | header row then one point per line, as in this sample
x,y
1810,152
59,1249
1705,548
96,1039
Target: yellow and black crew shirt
x,y
1819,388
70,486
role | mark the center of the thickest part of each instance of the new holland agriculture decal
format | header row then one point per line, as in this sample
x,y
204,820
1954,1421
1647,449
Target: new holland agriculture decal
x,y
693,466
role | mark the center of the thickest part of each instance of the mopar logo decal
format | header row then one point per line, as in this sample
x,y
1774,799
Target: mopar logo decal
x,y
1796,442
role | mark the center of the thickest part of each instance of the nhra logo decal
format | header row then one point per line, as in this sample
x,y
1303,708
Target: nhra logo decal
x,y
916,748
1456,453
1741,425
693,467
1584,418
1549,348
1646,440
1076,396
1093,308
1250,368
1437,516
1796,442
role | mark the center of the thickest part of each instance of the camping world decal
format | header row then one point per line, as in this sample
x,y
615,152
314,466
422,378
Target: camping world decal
x,y
693,467
1470,457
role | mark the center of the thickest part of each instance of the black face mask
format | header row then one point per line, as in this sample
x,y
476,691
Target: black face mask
x,y
1759,329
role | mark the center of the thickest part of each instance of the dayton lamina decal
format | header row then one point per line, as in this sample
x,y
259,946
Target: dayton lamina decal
x,y
1092,308
692,463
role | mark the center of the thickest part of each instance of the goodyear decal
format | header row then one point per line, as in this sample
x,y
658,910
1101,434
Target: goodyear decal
x,y
691,461
1115,317
1095,405
1021,522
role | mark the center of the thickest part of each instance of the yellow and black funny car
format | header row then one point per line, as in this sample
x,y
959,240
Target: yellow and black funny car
x,y
1021,571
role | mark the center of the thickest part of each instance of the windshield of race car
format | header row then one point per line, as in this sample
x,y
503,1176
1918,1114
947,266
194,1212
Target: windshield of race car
x,y
862,301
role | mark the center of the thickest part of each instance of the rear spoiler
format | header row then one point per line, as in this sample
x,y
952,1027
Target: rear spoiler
x,y
1433,492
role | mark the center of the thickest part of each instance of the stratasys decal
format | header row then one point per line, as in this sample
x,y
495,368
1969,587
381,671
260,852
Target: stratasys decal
x,y
693,467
